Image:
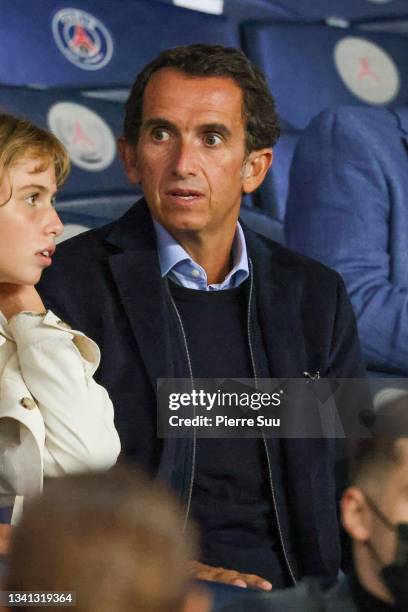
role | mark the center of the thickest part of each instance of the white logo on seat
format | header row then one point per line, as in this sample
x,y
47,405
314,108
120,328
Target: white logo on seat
x,y
82,38
88,138
367,70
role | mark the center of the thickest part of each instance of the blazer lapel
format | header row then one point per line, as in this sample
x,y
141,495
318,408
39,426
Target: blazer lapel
x,y
136,271
279,321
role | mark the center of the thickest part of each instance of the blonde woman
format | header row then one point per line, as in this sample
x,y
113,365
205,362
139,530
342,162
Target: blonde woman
x,y
54,418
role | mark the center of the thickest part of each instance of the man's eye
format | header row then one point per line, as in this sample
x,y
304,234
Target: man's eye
x,y
160,135
31,199
212,140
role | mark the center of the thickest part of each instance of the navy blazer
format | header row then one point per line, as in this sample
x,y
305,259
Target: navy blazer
x,y
107,283
348,207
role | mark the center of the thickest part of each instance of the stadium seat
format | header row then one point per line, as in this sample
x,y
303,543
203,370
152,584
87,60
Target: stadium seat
x,y
272,194
238,10
298,10
312,10
313,67
97,186
392,25
100,44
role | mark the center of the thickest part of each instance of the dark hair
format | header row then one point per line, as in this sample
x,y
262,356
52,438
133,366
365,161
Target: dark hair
x,y
375,454
259,113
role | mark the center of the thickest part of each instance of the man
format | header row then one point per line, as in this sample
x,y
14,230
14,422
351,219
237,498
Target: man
x,y
347,207
115,540
176,288
374,511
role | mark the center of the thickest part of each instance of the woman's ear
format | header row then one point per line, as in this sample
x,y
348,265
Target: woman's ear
x,y
355,515
128,155
255,168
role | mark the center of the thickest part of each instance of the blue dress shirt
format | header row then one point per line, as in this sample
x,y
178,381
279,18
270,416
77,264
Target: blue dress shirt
x,y
177,265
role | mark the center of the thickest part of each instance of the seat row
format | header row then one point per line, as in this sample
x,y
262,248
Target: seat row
x,y
74,75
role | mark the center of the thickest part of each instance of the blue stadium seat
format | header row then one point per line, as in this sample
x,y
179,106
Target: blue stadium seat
x,y
300,10
393,25
273,193
313,67
312,10
238,10
100,44
97,187
244,10
262,223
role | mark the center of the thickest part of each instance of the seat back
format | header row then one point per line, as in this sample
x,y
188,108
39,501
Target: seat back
x,y
311,10
313,67
100,44
97,189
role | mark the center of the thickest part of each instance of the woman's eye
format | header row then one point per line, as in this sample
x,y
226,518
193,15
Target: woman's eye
x,y
32,199
212,140
160,135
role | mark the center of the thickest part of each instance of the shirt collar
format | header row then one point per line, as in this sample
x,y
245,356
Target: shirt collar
x,y
172,254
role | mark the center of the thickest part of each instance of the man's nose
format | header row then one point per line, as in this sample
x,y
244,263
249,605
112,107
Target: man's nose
x,y
53,224
185,160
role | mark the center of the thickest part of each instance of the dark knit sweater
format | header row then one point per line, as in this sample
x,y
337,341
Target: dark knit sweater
x,y
231,495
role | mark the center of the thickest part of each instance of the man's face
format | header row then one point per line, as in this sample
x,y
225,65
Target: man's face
x,y
29,223
392,501
191,150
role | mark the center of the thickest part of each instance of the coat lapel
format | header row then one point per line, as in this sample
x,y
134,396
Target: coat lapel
x,y
277,298
136,272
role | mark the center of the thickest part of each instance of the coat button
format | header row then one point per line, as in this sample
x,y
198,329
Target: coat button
x,y
64,325
28,402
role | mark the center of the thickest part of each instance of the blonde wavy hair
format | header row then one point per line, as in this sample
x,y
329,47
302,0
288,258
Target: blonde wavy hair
x,y
19,138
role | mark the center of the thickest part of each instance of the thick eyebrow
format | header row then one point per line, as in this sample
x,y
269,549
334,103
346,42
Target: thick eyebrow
x,y
155,122
220,128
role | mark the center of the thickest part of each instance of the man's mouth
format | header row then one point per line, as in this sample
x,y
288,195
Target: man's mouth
x,y
184,194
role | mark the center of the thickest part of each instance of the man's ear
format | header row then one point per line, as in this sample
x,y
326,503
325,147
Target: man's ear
x,y
128,155
355,515
255,168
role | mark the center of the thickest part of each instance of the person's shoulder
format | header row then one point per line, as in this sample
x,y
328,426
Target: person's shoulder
x,y
353,122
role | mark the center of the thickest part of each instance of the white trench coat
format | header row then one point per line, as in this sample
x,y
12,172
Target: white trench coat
x,y
54,418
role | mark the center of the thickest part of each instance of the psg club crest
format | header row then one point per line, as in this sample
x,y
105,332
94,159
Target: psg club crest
x,y
367,70
88,138
82,38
